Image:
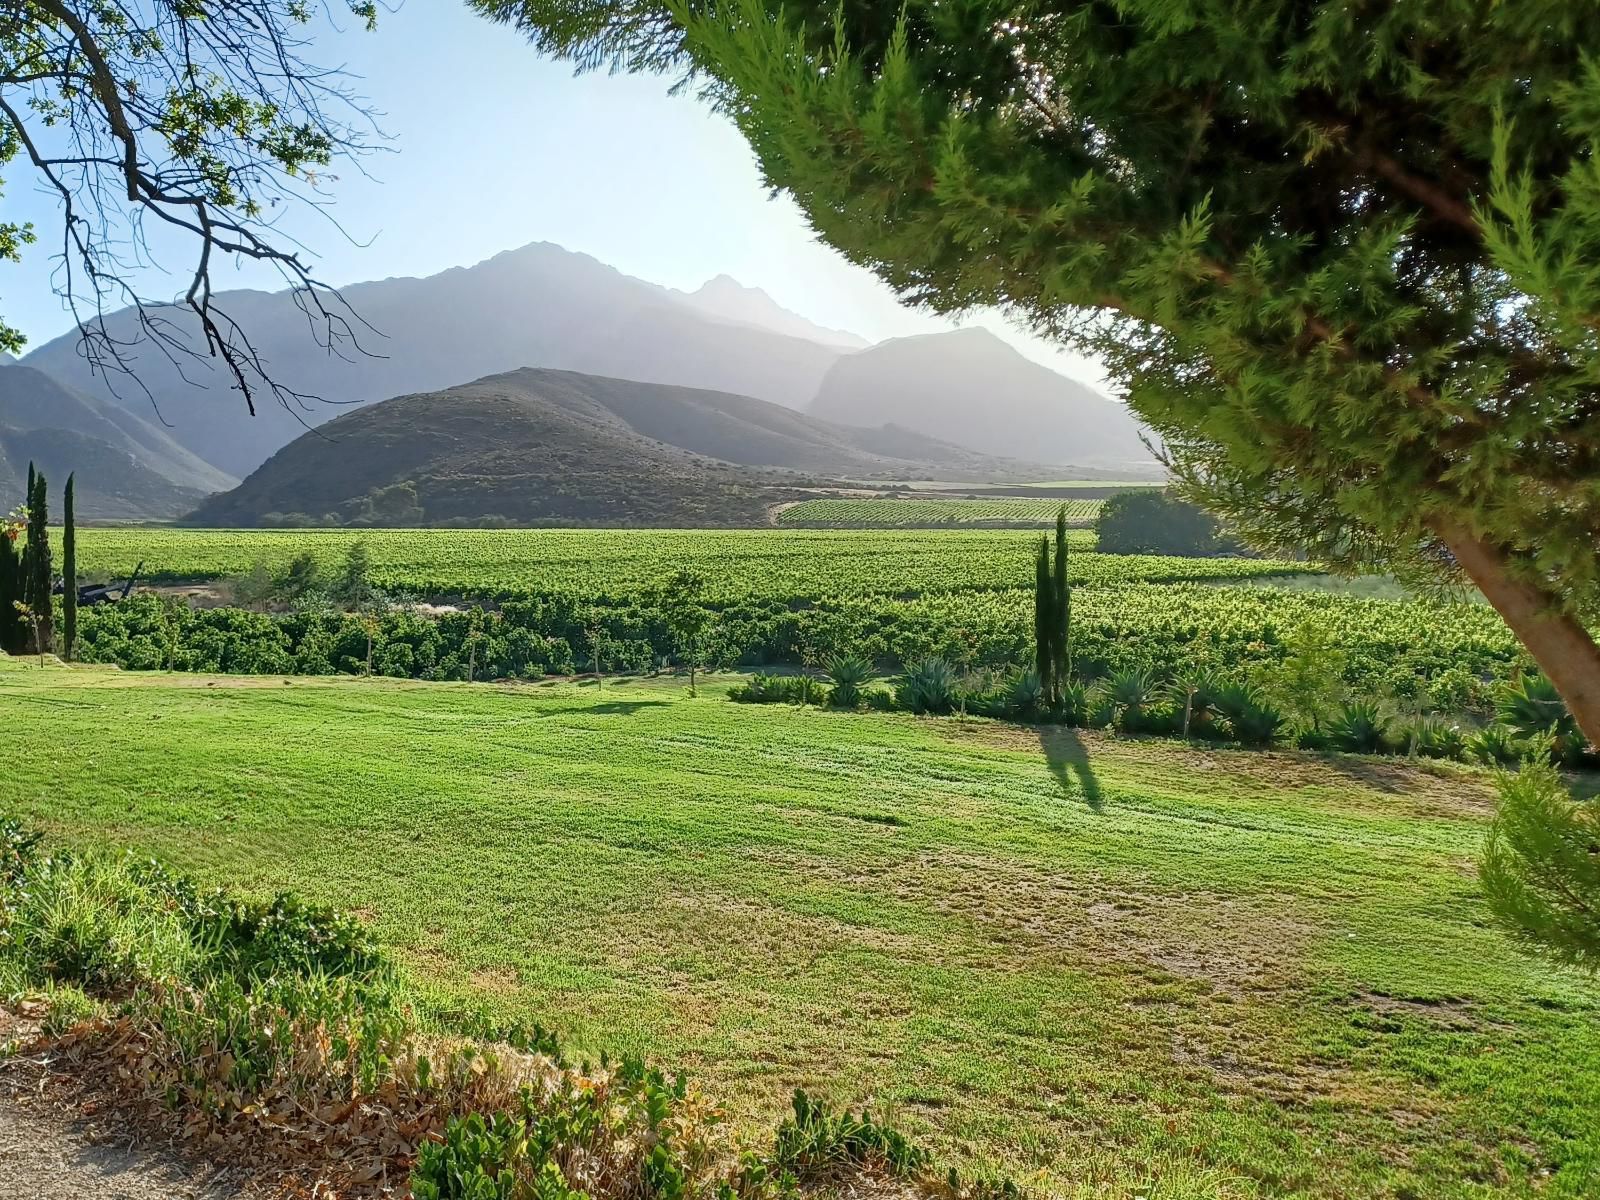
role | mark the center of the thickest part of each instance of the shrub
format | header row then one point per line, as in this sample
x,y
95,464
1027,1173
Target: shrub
x,y
1024,694
93,923
1359,727
814,1143
928,686
849,674
1540,873
1252,718
1494,745
1131,694
1429,735
1194,702
1530,706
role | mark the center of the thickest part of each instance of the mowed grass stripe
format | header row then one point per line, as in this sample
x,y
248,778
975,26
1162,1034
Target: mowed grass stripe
x,y
1240,975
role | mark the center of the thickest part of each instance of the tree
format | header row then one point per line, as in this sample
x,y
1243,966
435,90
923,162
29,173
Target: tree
x,y
11,626
683,605
37,579
302,576
1541,874
1345,263
354,588
1052,614
69,573
198,120
1151,521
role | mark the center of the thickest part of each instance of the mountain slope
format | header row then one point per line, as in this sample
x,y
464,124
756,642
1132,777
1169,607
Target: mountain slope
x,y
540,305
970,388
540,445
729,300
126,467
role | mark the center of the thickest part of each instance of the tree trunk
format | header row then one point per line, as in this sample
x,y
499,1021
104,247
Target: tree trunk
x,y
1558,641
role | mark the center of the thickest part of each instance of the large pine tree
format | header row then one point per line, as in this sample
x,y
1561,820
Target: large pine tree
x,y
1345,259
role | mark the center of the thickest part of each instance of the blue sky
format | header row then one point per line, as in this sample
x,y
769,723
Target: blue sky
x,y
493,147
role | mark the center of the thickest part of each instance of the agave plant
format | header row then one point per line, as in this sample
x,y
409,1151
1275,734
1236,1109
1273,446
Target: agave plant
x,y
1025,693
849,674
1252,718
1530,705
1359,727
1131,693
1075,703
928,686
1194,698
1494,745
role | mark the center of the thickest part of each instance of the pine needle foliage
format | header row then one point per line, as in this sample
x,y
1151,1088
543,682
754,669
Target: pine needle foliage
x,y
1541,871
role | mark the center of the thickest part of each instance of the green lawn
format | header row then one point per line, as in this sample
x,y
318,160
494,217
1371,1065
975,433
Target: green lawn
x,y
1114,968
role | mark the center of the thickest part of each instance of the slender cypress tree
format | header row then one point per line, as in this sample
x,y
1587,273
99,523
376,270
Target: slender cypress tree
x,y
1063,605
36,585
1044,623
69,575
10,593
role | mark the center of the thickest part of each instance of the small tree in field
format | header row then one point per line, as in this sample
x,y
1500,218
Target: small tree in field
x,y
1052,614
69,573
36,575
683,604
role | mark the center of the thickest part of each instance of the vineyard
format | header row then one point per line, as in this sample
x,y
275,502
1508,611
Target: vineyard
x,y
781,597
615,565
907,513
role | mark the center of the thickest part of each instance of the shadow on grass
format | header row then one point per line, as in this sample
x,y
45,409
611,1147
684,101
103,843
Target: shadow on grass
x,y
1068,758
607,708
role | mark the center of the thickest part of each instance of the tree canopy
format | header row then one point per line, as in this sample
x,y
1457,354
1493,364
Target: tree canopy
x,y
1344,258
195,119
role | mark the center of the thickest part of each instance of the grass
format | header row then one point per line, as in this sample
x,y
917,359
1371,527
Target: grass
x,y
1122,968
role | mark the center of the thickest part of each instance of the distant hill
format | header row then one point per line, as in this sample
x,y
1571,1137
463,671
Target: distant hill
x,y
970,388
126,466
540,305
545,446
727,299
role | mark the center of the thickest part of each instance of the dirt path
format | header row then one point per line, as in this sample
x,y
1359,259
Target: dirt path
x,y
46,1156
49,1152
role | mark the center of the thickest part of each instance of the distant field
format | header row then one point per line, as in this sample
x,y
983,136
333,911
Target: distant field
x,y
1111,968
889,513
617,564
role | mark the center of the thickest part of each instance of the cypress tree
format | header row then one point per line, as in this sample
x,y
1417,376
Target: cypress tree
x,y
1044,624
69,574
1062,605
36,584
10,592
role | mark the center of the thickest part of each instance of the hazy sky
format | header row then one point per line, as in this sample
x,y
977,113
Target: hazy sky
x,y
494,147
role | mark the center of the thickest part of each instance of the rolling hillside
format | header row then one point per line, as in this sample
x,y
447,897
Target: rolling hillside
x,y
970,388
544,446
126,466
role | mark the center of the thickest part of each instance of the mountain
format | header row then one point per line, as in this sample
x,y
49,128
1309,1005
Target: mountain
x,y
726,299
544,446
537,306
126,466
970,388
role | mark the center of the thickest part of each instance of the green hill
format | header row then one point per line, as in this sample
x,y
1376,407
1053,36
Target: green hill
x,y
544,446
126,466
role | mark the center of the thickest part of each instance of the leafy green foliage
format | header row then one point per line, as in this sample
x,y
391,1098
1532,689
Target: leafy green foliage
x,y
849,674
815,1143
1541,869
1360,726
1152,522
929,685
1530,707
